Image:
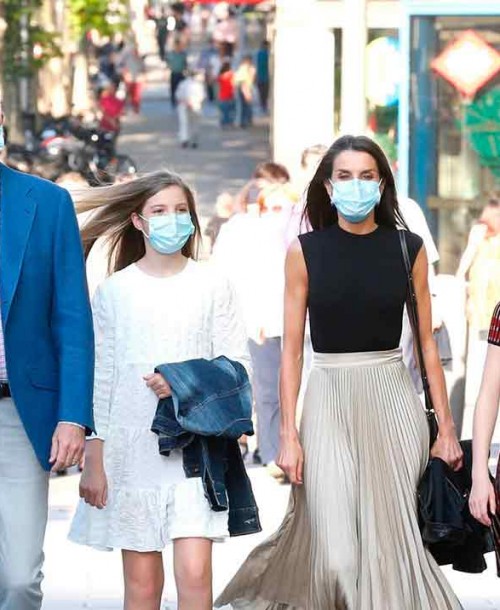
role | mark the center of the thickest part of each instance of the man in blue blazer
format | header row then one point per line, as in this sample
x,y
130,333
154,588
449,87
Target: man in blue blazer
x,y
46,369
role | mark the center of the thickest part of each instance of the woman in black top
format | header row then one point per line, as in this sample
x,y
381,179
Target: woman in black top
x,y
350,539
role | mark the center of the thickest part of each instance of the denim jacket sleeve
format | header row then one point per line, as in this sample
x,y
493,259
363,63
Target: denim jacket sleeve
x,y
229,332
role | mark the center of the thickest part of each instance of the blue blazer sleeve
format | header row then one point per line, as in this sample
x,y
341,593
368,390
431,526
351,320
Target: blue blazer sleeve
x,y
72,320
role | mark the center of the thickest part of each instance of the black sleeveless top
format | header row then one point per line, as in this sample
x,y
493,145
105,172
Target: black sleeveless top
x,y
357,288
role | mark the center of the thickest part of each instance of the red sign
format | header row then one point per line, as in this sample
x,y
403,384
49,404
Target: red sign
x,y
468,63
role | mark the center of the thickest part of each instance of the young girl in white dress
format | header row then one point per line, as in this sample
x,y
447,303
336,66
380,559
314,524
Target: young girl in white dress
x,y
158,306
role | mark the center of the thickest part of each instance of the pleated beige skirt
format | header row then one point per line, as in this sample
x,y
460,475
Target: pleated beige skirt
x,y
350,539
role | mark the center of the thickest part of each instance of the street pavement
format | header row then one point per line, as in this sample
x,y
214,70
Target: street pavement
x,y
77,577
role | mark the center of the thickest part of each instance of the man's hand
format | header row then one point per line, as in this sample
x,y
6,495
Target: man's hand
x,y
68,444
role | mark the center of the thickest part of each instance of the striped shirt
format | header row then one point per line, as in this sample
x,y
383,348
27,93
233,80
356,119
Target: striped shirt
x,y
494,334
3,366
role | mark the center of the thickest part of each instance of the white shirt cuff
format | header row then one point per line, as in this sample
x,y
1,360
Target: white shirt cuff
x,y
72,423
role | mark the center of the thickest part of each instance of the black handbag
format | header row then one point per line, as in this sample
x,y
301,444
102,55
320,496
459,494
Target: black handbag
x,y
411,304
448,529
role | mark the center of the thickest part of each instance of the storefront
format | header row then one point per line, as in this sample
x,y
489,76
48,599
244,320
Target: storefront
x,y
449,117
321,84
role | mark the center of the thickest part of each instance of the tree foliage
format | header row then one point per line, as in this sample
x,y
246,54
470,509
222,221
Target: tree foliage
x,y
19,41
105,16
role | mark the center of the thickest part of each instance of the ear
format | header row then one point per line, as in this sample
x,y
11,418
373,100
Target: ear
x,y
328,186
137,222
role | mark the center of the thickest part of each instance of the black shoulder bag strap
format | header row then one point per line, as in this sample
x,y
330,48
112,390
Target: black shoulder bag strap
x,y
412,308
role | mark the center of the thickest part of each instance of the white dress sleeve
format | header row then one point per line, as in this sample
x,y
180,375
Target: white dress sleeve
x,y
229,336
104,330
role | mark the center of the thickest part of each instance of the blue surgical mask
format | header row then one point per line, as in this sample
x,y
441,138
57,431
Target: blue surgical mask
x,y
2,138
355,199
169,233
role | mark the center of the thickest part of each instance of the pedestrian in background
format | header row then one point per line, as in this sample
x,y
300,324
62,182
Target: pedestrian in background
x,y
224,209
161,23
132,67
177,61
364,439
483,501
210,64
251,251
46,369
480,263
226,95
310,158
245,82
262,74
111,107
159,306
190,96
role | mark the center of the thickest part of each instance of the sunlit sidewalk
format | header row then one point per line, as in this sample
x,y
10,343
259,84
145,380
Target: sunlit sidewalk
x,y
77,577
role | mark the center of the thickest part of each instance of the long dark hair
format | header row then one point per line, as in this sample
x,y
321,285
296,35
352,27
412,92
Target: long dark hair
x,y
319,210
113,207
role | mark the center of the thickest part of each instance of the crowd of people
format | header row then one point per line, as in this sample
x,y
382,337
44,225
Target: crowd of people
x,y
304,303
218,72
291,347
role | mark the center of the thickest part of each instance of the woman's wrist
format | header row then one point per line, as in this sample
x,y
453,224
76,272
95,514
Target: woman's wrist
x,y
446,427
289,433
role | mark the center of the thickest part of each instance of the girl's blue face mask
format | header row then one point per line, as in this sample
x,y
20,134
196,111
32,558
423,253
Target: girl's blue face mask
x,y
2,138
355,199
168,233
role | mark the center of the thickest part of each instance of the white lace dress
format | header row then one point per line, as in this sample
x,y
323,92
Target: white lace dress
x,y
142,321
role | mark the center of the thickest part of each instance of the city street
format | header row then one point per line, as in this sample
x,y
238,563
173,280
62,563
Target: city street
x,y
77,577
224,160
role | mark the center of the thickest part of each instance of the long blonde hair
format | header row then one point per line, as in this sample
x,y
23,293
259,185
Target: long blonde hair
x,y
113,207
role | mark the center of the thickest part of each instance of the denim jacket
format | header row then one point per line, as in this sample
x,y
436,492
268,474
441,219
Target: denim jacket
x,y
210,408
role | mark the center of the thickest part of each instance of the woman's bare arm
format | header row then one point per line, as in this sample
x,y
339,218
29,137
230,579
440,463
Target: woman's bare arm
x,y
296,289
447,446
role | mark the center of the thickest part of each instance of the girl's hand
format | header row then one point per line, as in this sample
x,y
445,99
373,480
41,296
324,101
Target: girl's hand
x,y
482,500
291,459
94,486
158,384
448,449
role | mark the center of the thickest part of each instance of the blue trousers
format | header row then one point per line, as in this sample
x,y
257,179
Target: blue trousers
x,y
265,381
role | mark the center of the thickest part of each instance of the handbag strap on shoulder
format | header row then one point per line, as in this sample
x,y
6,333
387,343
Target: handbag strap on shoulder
x,y
412,308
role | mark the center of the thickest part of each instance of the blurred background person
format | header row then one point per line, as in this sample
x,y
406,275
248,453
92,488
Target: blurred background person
x,y
132,69
265,176
309,161
245,81
226,32
251,250
111,108
223,212
480,264
210,64
161,23
226,95
262,74
190,96
177,61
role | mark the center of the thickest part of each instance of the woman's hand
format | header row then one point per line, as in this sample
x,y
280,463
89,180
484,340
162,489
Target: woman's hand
x,y
448,449
291,459
94,485
482,499
158,384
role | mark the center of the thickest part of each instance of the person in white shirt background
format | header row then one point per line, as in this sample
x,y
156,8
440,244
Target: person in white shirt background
x,y
251,250
190,95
